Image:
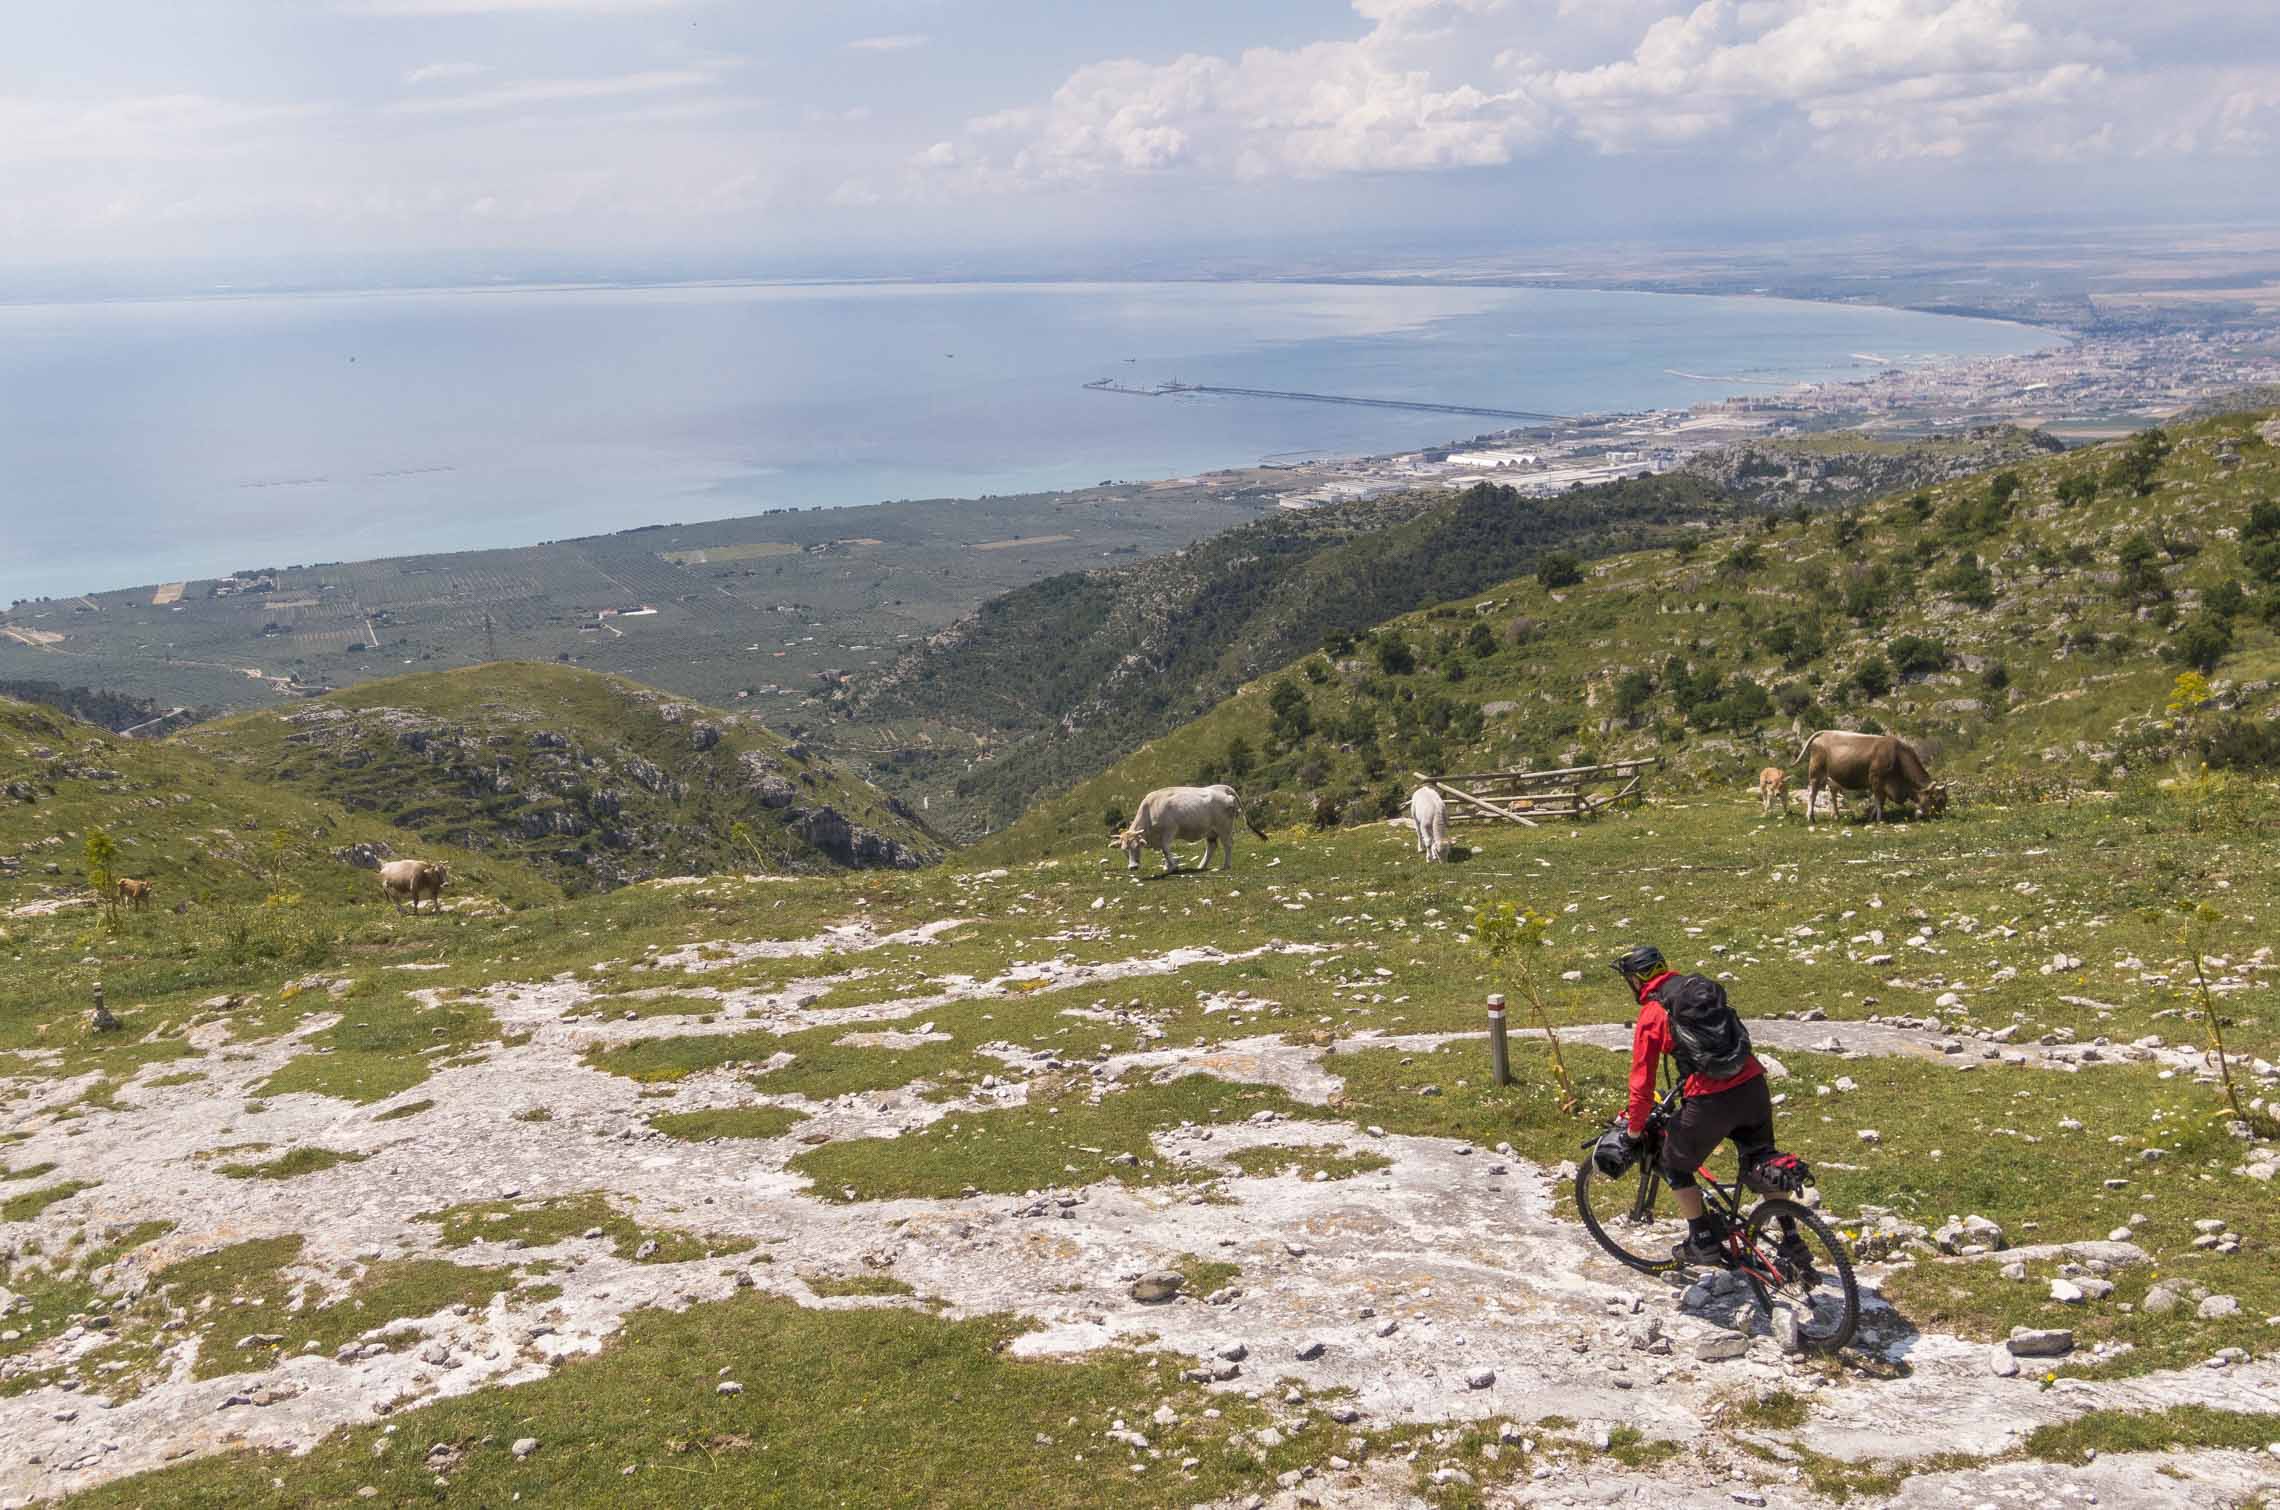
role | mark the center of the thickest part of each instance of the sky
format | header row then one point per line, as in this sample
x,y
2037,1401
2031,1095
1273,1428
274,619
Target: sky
x,y
887,134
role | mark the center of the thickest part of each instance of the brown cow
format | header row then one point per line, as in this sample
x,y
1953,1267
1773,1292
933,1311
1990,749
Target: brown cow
x,y
133,892
415,879
1773,792
1884,766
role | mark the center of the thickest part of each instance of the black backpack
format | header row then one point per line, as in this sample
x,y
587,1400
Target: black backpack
x,y
1712,1042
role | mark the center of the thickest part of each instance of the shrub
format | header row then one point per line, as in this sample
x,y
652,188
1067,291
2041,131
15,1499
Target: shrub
x,y
2135,468
1914,655
1238,757
1967,581
1996,677
1742,705
1845,530
1317,671
1873,676
1793,698
1394,657
2203,643
2141,569
1920,505
2241,744
2080,489
1481,640
1559,569
2226,599
1745,558
1337,644
1632,690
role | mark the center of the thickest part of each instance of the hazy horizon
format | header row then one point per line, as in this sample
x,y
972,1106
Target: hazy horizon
x,y
279,140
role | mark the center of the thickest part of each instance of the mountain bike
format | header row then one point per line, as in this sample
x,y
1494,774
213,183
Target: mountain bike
x,y
1781,1248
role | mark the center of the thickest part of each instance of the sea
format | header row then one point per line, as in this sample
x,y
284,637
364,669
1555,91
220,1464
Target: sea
x,y
152,441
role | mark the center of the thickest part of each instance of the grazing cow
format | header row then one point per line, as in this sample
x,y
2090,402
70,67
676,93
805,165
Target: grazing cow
x,y
416,879
1185,814
133,892
1773,791
1431,815
1883,766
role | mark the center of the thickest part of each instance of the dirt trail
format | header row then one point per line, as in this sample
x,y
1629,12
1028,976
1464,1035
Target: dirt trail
x,y
1415,1280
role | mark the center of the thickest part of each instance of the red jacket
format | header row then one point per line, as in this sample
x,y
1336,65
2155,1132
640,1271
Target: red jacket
x,y
1651,1038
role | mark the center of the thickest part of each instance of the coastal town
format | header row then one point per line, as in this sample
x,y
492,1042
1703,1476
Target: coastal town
x,y
2078,389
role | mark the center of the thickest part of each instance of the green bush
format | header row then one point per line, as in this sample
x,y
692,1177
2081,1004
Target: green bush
x,y
2241,744
1559,569
2203,643
1915,655
1873,676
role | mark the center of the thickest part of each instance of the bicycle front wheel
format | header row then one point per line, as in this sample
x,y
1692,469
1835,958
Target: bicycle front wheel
x,y
1797,1265
1633,1216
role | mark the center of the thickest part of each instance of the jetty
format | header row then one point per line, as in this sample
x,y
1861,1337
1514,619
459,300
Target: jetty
x,y
1163,390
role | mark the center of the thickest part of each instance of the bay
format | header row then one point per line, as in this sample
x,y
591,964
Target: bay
x,y
152,441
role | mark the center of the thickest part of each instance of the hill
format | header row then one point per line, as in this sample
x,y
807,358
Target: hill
x,y
199,830
1050,682
590,778
2024,625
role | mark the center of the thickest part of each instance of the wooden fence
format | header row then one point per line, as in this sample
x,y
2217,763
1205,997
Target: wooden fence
x,y
1524,796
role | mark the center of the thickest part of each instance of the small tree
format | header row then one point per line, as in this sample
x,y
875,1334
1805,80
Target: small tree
x,y
1559,569
2204,642
101,857
2200,917
1873,676
1514,937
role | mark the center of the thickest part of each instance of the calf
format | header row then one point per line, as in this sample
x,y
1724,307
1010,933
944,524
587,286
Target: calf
x,y
1773,791
133,892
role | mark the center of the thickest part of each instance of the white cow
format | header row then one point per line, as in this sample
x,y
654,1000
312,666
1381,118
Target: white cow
x,y
417,879
1431,815
1185,814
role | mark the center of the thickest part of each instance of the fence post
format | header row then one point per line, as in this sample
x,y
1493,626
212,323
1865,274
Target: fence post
x,y
1499,1060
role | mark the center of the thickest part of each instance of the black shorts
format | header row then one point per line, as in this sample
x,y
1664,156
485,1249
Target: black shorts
x,y
1743,1113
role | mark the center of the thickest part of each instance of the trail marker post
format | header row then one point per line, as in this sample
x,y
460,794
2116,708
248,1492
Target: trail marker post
x,y
1499,1058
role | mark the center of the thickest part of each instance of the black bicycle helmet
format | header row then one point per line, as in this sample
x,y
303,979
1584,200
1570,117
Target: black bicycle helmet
x,y
1645,959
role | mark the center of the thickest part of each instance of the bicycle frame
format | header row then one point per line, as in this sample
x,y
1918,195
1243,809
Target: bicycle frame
x,y
1716,1197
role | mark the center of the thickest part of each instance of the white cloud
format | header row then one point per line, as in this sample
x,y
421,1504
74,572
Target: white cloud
x,y
901,41
556,91
1452,84
436,73
855,194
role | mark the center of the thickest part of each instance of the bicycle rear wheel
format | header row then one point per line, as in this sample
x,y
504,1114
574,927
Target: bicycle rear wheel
x,y
1812,1278
1632,1215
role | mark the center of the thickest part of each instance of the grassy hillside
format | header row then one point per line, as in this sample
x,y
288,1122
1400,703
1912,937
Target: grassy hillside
x,y
2025,625
201,832
1051,682
590,778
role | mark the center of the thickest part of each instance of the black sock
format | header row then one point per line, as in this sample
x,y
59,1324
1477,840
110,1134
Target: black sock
x,y
1702,1227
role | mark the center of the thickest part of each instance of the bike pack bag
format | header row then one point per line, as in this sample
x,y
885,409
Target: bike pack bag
x,y
1711,1040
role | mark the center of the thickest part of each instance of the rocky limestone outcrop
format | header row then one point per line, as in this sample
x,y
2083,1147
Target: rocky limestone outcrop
x,y
851,843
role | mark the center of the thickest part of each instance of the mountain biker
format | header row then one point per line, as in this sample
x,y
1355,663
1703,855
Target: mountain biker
x,y
1687,1017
